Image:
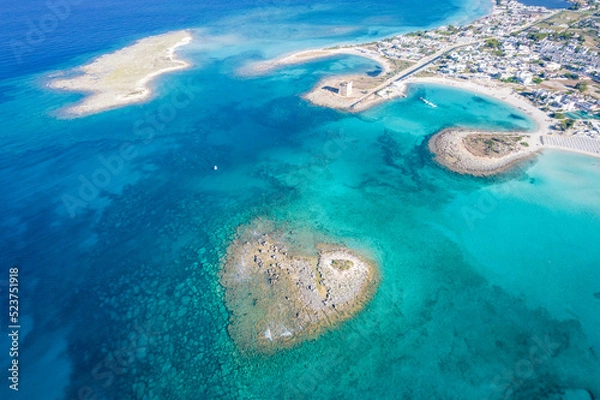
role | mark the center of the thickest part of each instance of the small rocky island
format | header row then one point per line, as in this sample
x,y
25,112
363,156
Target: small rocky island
x,y
280,294
482,153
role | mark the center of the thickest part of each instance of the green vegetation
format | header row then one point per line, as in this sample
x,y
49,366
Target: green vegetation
x,y
490,145
537,80
493,43
512,79
564,35
581,86
417,33
558,115
342,265
524,144
452,29
537,36
571,75
565,124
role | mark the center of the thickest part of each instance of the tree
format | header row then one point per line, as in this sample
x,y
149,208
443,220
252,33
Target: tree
x,y
493,43
565,124
571,75
537,36
537,80
581,86
512,79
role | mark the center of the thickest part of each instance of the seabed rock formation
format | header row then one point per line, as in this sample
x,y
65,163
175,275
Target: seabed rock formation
x,y
280,295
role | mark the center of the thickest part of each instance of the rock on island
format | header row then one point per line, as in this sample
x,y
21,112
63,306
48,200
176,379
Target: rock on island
x,y
279,295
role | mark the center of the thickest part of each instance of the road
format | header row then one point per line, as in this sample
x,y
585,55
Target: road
x,y
406,73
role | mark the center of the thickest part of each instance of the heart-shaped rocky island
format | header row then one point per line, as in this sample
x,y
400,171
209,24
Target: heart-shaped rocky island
x,y
280,294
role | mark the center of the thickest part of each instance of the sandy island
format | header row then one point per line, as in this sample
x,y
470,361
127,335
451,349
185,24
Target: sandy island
x,y
121,78
279,295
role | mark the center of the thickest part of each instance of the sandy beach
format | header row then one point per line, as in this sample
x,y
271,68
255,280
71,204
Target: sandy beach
x,y
449,145
121,78
300,57
497,91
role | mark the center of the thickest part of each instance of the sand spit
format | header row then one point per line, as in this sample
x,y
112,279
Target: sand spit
x,y
455,150
300,57
121,78
279,296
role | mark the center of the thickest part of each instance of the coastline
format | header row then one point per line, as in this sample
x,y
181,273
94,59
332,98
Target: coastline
x,y
355,93
496,91
300,57
447,145
450,151
121,78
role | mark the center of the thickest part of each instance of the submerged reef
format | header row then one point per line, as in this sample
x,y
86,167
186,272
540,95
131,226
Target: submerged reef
x,y
280,294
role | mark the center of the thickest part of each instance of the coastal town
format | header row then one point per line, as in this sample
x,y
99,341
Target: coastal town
x,y
545,62
550,57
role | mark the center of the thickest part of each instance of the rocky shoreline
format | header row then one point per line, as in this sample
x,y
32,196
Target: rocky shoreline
x,y
279,296
462,151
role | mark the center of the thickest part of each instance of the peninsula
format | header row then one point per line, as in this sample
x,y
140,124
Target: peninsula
x,y
122,77
311,55
544,62
280,295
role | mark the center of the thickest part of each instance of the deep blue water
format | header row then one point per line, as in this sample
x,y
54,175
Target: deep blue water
x,y
38,35
118,232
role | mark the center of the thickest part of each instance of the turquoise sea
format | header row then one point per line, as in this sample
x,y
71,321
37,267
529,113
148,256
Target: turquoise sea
x,y
117,222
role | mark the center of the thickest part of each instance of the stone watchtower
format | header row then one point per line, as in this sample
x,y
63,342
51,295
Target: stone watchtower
x,y
346,89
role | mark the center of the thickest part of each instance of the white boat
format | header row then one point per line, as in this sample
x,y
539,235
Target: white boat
x,y
429,103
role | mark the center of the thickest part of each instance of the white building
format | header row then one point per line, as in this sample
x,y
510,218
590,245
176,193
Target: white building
x,y
346,89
